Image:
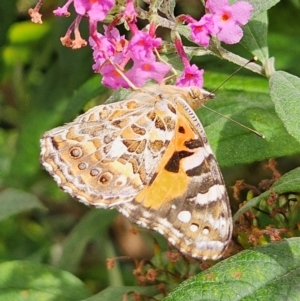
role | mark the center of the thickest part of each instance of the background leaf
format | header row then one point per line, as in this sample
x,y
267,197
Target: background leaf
x,y
285,93
117,293
251,107
255,36
13,201
260,6
288,183
264,273
31,281
94,224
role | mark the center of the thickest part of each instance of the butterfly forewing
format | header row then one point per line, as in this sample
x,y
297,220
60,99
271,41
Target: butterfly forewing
x,y
187,201
147,156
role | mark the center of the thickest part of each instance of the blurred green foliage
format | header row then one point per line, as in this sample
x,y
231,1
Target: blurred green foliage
x,y
44,84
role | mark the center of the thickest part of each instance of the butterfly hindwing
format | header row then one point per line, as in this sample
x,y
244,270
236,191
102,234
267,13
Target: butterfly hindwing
x,y
108,154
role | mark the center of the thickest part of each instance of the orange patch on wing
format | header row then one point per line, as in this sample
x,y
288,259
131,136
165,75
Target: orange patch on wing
x,y
168,185
181,138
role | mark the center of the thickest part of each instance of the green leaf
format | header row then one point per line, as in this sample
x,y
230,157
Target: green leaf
x,y
235,145
285,93
260,6
94,224
255,36
270,272
27,32
14,201
118,293
288,183
285,60
31,281
15,55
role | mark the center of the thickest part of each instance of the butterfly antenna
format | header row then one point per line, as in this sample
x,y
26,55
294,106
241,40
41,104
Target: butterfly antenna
x,y
236,122
254,59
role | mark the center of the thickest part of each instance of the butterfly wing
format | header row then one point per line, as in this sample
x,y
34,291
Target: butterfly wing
x,y
147,156
187,201
107,155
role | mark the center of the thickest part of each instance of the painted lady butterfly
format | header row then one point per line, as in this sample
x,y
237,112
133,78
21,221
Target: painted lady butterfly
x,y
148,157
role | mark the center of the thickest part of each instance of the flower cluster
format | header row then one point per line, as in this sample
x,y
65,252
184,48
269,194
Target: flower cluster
x,y
222,20
128,63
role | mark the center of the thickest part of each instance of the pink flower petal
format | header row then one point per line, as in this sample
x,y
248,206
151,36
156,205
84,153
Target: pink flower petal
x,y
191,76
231,34
216,6
241,12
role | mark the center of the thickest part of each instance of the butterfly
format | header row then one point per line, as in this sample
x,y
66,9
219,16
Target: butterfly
x,y
148,157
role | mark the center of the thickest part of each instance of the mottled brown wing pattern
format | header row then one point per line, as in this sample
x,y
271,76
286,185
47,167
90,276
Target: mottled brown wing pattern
x,y
147,156
108,154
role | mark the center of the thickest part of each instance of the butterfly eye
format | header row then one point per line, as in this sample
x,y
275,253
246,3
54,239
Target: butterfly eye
x,y
76,152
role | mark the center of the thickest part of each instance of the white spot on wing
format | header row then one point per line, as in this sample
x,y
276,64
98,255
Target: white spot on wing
x,y
82,200
205,231
58,181
220,224
117,148
141,223
165,223
121,180
171,240
194,160
43,148
48,167
147,214
209,245
184,216
215,192
159,230
194,227
67,189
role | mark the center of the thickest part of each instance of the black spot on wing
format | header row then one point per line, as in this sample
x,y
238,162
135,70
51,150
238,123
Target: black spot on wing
x,y
181,130
193,143
174,162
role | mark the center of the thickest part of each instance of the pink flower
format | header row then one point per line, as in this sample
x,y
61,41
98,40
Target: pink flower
x,y
112,78
228,19
142,44
191,76
129,13
141,71
200,30
111,46
95,9
103,49
63,11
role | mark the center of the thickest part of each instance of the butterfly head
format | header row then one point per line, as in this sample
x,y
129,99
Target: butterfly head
x,y
197,97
